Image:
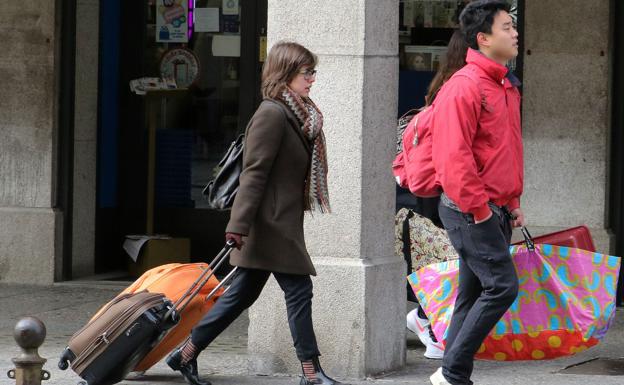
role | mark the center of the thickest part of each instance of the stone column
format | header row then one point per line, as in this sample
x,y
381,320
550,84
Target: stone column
x,y
566,115
359,303
29,225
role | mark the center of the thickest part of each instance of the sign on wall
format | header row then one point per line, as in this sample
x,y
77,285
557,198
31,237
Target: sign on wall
x,y
172,21
180,64
230,7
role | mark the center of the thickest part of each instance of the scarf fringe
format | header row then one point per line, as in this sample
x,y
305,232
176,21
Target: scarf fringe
x,y
314,204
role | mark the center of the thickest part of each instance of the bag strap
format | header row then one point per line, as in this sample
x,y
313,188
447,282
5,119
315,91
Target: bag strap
x,y
413,111
528,239
407,241
415,141
230,150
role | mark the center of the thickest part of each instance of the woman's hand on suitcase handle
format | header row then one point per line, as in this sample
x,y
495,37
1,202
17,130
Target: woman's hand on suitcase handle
x,y
237,239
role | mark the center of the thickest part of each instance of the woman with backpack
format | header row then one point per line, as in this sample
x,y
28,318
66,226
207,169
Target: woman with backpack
x,y
414,230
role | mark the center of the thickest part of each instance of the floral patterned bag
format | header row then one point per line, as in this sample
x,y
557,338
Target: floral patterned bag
x,y
421,242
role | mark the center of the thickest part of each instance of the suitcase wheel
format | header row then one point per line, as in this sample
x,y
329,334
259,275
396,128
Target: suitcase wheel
x,y
66,357
63,365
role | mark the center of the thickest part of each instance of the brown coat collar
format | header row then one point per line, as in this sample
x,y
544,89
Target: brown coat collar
x,y
294,123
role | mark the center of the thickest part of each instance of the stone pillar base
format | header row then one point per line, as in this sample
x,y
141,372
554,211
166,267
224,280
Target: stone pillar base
x,y
356,326
30,247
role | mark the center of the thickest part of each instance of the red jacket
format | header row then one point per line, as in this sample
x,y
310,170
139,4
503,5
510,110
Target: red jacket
x,y
477,138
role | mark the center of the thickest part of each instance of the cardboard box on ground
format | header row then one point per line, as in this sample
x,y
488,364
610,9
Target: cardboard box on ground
x,y
157,252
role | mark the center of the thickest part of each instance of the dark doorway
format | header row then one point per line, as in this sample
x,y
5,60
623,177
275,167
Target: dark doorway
x,y
616,201
65,151
192,132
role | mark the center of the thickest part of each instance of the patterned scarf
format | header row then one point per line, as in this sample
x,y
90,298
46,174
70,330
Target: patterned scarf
x,y
311,120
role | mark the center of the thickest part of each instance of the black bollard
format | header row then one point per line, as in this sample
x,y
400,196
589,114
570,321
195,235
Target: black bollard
x,y
29,334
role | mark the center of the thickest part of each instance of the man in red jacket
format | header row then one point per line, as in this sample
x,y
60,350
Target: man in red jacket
x,y
477,154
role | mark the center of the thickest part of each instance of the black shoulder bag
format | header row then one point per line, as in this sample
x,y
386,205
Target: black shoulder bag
x,y
222,190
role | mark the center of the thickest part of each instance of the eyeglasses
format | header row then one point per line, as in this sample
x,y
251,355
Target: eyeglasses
x,y
308,74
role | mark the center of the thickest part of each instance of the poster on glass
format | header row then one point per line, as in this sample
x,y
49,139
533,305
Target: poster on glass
x,y
423,58
172,21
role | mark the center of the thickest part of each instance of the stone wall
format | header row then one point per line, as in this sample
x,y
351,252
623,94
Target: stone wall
x,y
28,224
566,115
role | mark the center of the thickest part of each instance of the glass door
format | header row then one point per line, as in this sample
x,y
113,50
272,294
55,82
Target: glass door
x,y
212,50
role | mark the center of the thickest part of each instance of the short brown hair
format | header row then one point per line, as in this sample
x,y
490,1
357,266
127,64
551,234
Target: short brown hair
x,y
284,61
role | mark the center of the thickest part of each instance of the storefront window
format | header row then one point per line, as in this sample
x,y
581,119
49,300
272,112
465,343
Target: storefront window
x,y
425,28
196,128
210,53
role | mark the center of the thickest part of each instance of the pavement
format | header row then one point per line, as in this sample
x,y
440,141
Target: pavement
x,y
65,308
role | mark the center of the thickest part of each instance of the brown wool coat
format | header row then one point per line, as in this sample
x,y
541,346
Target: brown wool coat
x,y
269,206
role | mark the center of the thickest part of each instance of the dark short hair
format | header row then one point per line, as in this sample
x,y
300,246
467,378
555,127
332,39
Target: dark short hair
x,y
478,16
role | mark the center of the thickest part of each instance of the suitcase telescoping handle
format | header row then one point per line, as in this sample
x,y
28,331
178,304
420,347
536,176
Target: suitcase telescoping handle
x,y
196,287
528,239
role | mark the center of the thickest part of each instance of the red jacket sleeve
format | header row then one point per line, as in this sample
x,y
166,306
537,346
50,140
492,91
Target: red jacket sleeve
x,y
513,204
455,119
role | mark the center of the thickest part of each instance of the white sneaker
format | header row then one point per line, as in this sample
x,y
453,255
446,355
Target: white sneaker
x,y
419,326
435,351
437,378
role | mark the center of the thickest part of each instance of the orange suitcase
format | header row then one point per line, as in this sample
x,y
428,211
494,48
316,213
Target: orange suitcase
x,y
175,281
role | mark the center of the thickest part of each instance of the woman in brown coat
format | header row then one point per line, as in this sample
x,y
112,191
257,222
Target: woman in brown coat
x,y
284,174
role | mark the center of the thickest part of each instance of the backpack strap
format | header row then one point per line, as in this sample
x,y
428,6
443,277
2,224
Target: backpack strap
x,y
407,254
407,241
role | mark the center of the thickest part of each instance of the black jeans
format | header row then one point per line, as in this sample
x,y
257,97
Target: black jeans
x,y
244,291
488,285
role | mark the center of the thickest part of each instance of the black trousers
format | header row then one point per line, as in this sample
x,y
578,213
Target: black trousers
x,y
488,286
244,291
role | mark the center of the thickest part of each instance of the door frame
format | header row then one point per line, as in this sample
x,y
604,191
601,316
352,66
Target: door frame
x,y
519,72
616,179
64,191
252,28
